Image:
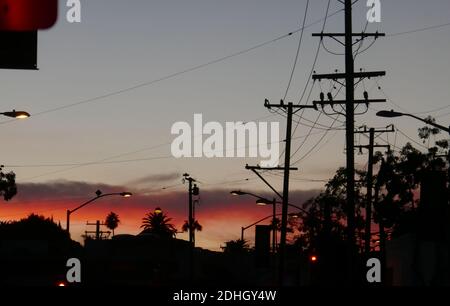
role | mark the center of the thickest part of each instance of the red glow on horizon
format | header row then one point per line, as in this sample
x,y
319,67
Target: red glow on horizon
x,y
220,217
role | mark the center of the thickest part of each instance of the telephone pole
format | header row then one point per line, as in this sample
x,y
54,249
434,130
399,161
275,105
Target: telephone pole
x,y
379,182
349,102
370,147
99,234
193,190
289,108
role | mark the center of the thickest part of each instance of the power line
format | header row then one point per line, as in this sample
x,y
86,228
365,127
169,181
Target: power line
x,y
405,110
218,60
104,161
297,52
433,111
173,75
302,144
316,56
411,139
419,30
89,163
300,179
443,115
312,148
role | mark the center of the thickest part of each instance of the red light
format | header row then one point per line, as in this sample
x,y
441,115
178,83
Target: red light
x,y
313,258
61,284
27,15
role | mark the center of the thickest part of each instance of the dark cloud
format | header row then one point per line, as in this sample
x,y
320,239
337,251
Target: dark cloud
x,y
61,189
155,178
210,200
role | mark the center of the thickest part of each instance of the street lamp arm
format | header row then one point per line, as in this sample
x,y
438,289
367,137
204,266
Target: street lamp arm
x,y
259,221
441,127
276,202
296,207
254,195
84,204
94,199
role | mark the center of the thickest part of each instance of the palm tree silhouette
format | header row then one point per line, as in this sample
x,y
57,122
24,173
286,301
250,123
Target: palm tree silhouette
x,y
112,221
195,226
238,246
158,223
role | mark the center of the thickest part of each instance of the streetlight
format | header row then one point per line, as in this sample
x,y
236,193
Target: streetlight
x,y
16,114
262,202
158,210
394,114
237,192
98,195
243,228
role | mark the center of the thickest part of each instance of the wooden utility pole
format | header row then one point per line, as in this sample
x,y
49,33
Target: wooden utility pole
x,y
190,180
289,108
349,76
370,147
191,209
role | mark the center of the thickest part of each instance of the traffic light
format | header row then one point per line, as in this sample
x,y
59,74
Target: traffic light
x,y
313,258
19,50
27,15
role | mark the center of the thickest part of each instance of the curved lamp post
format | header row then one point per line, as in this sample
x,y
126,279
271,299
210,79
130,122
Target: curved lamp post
x,y
99,195
394,114
243,228
262,202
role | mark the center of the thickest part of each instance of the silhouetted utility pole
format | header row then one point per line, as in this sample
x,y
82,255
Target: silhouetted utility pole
x,y
349,103
289,108
370,147
193,190
379,182
98,233
274,226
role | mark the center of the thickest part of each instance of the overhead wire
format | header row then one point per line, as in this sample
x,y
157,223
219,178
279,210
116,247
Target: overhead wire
x,y
316,56
297,52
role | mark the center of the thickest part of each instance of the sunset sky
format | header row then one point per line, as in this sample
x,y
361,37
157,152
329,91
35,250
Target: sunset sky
x,y
115,139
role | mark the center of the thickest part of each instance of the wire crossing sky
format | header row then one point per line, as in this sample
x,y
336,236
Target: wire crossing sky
x,y
110,88
269,52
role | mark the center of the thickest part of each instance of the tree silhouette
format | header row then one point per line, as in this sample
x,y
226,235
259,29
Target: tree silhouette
x,y
401,179
238,246
34,227
8,188
195,226
112,221
324,216
37,248
159,224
